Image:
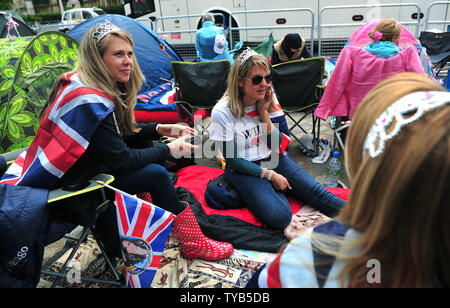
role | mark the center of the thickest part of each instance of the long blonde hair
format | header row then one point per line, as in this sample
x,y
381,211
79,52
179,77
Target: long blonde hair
x,y
94,73
399,201
238,72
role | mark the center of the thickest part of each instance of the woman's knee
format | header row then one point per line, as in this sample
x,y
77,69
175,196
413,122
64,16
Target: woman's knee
x,y
156,172
277,215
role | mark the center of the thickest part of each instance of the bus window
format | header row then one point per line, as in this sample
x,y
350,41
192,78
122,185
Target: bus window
x,y
140,7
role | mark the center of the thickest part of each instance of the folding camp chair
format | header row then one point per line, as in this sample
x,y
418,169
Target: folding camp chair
x,y
92,190
438,49
340,132
89,196
298,86
199,85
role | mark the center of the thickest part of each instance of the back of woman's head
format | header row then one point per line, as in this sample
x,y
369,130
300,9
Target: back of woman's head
x,y
399,199
389,29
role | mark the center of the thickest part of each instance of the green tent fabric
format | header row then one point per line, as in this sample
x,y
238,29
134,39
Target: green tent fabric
x,y
28,68
266,47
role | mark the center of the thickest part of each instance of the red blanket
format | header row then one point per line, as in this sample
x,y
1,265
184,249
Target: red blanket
x,y
195,179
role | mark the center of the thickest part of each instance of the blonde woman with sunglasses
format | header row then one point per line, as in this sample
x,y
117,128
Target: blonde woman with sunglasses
x,y
245,127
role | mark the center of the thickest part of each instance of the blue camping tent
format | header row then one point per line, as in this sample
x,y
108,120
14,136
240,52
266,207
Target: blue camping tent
x,y
152,52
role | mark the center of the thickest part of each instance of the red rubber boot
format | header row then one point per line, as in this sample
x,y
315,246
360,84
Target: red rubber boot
x,y
195,245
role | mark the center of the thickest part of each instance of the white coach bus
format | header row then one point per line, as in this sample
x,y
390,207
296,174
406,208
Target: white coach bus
x,y
251,21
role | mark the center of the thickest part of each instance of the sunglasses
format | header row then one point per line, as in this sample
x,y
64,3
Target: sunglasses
x,y
258,79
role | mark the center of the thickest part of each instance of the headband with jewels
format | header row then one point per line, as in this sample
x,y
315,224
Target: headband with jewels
x,y
247,54
103,29
406,110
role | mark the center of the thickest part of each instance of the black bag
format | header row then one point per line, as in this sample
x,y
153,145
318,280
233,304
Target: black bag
x,y
220,195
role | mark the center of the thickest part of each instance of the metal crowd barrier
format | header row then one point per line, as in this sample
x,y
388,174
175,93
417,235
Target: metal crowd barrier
x,y
185,47
332,47
254,35
436,22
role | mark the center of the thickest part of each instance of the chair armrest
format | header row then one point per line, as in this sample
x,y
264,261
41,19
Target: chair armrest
x,y
78,189
10,157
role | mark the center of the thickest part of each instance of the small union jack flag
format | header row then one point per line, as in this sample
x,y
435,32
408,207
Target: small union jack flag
x,y
143,229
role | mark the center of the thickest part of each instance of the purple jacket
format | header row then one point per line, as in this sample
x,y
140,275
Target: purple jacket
x,y
357,71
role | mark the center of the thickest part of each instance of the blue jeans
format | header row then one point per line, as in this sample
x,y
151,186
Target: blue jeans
x,y
272,207
155,179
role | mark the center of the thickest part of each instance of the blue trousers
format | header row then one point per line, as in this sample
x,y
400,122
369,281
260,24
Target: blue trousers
x,y
272,207
155,179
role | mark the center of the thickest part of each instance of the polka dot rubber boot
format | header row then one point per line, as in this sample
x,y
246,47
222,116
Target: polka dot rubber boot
x,y
146,196
195,245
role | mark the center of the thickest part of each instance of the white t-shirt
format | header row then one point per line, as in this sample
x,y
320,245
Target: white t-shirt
x,y
248,131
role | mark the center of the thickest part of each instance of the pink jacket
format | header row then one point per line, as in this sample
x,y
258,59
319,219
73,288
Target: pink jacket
x,y
357,71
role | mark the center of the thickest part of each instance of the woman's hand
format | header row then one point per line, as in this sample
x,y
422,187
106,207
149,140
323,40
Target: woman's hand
x,y
180,147
174,130
264,105
279,182
263,109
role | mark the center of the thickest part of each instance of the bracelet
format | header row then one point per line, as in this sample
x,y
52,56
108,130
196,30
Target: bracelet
x,y
270,175
263,173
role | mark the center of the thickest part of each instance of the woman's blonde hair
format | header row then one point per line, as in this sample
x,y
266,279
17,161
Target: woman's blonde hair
x,y
240,71
389,28
399,201
94,73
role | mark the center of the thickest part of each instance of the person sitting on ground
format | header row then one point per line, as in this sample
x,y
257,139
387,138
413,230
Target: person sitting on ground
x,y
394,230
358,70
210,42
242,128
291,47
87,127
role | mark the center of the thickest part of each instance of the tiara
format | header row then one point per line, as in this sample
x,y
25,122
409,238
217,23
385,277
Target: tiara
x,y
103,29
417,102
247,54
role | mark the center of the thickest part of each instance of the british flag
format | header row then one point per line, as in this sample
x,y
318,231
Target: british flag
x,y
63,135
278,118
143,229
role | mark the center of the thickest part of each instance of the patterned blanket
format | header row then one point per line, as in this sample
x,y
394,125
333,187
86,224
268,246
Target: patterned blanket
x,y
174,270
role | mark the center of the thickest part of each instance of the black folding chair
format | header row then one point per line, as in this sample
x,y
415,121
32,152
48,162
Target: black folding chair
x,y
438,49
298,86
85,193
199,86
79,204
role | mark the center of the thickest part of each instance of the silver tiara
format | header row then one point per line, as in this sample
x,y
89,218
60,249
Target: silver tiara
x,y
247,54
103,29
417,103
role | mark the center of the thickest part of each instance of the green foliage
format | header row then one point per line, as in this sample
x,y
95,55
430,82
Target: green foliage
x,y
6,4
53,17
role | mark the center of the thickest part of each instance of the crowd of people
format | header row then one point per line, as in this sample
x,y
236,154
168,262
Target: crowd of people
x,y
396,156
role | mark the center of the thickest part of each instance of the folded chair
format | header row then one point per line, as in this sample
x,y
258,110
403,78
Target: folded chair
x,y
298,86
438,49
199,85
91,194
79,204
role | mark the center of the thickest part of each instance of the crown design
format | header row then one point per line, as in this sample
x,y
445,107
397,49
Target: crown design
x,y
414,105
103,29
247,54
